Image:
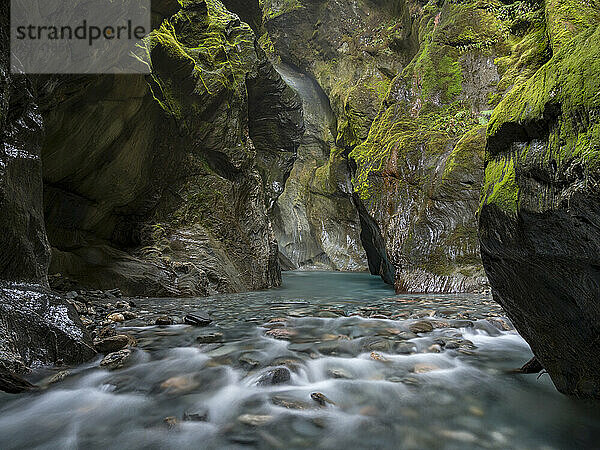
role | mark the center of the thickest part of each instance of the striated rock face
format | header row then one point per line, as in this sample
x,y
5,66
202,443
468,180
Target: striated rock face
x,y
540,207
24,250
410,88
160,185
36,327
321,46
315,221
419,171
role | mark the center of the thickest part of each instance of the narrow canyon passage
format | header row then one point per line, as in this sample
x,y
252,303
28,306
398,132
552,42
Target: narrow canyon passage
x,y
328,360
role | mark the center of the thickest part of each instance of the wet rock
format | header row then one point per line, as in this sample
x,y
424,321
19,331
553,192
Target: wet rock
x,y
339,374
163,320
435,348
249,361
13,383
501,324
198,416
421,327
210,338
321,399
255,420
58,377
290,403
406,348
171,421
458,435
378,357
275,376
424,368
80,307
106,332
198,319
281,333
379,316
38,326
531,366
115,360
180,384
116,317
113,343
128,315
540,210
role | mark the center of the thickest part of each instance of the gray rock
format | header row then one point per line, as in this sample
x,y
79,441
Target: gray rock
x,y
39,327
210,338
274,376
116,360
421,327
112,343
198,319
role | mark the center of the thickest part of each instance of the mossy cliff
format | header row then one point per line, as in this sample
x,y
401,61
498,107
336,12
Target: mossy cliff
x,y
160,185
410,86
539,207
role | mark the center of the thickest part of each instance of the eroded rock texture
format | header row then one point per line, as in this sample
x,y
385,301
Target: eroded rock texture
x,y
409,87
36,327
160,185
540,207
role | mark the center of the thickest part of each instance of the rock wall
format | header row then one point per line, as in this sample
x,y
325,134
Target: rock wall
x,y
160,185
315,221
409,87
540,210
36,326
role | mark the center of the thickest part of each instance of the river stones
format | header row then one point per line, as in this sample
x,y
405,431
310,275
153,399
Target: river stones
x,y
197,416
163,320
421,327
321,399
424,368
290,403
116,317
339,374
281,333
255,420
198,319
115,360
113,343
210,338
275,376
180,384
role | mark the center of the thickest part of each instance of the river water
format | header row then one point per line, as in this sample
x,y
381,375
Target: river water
x,y
327,361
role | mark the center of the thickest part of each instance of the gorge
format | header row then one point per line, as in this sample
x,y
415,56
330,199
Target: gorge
x,y
448,147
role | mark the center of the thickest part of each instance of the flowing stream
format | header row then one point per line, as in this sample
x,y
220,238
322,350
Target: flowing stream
x,y
330,360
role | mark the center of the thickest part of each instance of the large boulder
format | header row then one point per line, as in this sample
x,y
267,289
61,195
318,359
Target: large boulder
x,y
540,210
37,327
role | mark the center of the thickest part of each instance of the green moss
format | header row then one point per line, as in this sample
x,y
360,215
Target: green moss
x,y
394,134
566,18
275,8
461,159
500,185
198,51
570,81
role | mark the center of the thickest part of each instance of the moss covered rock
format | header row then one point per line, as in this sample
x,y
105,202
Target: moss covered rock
x,y
160,185
540,209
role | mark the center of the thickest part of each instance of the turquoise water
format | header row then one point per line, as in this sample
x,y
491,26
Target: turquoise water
x,y
351,374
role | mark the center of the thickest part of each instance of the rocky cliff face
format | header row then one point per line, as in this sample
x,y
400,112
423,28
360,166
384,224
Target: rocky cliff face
x,y
410,88
36,326
156,185
540,212
160,185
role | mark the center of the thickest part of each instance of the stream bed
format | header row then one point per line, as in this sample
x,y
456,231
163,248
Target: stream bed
x,y
329,360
